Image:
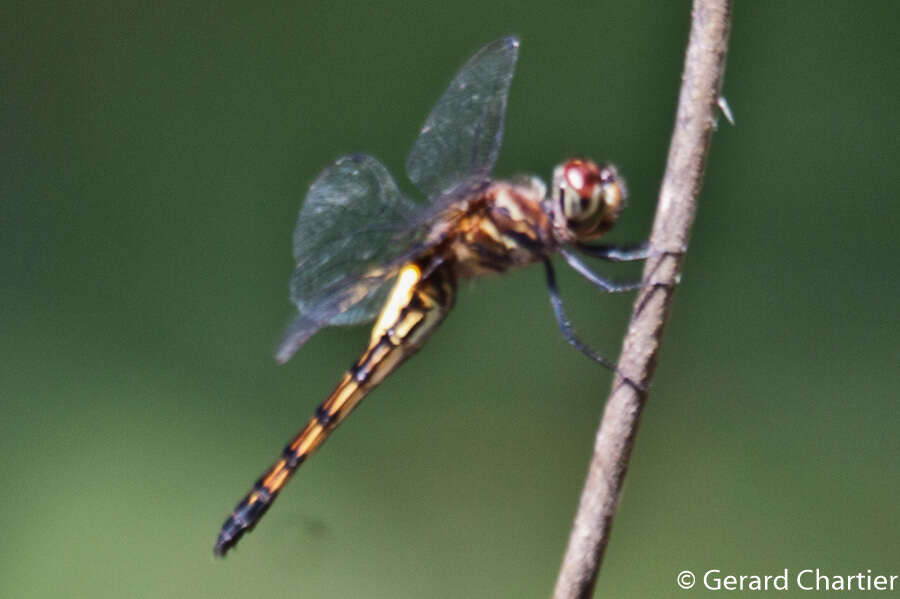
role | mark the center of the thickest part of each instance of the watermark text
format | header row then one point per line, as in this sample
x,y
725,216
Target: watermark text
x,y
809,579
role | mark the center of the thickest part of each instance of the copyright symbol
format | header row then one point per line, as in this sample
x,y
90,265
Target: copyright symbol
x,y
686,579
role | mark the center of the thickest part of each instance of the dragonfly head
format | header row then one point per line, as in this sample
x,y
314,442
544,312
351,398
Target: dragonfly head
x,y
586,198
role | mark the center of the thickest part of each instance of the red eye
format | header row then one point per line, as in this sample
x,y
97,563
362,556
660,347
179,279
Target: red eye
x,y
582,176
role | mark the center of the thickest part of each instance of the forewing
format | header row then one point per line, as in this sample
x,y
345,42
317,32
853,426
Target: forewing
x,y
354,230
460,140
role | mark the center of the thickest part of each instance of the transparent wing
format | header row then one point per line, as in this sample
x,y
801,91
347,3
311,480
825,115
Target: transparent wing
x,y
354,230
460,141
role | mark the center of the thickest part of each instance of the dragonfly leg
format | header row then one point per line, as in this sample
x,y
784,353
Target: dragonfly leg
x,y
563,321
604,284
615,253
627,252
566,328
415,308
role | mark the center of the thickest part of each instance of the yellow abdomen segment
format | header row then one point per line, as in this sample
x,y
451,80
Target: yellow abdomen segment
x,y
412,312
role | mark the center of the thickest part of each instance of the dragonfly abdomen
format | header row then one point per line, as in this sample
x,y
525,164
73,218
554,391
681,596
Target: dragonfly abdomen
x,y
416,307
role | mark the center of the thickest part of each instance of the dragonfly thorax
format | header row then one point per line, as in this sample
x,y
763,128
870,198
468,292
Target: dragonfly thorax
x,y
503,226
585,200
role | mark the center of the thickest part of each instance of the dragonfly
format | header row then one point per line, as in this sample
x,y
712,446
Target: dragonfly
x,y
365,251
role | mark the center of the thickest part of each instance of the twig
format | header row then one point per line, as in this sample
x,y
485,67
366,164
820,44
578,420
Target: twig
x,y
694,123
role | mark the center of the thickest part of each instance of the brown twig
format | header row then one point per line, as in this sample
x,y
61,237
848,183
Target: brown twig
x,y
704,69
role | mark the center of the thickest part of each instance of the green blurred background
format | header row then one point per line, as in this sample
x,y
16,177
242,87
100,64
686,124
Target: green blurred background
x,y
154,158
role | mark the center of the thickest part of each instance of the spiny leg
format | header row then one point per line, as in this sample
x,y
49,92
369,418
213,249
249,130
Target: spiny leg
x,y
563,321
566,327
604,284
413,311
615,253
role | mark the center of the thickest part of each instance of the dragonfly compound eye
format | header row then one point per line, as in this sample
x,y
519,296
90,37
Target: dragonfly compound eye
x,y
588,197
